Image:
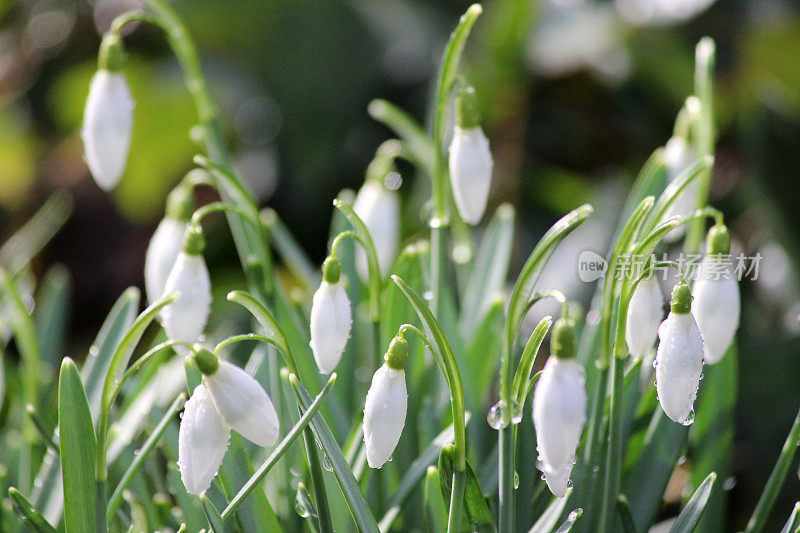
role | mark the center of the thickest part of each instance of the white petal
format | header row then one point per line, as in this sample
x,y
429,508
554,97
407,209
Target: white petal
x,y
679,364
559,412
202,440
678,156
162,252
107,124
558,480
185,318
645,312
330,325
379,209
244,405
716,307
470,172
384,414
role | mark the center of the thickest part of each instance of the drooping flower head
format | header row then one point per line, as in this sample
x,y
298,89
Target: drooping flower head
x,y
386,404
645,311
679,358
331,318
470,159
185,318
167,242
108,117
379,208
716,296
202,441
559,409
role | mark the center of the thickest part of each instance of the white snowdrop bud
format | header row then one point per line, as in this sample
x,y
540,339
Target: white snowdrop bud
x,y
559,409
379,209
470,160
108,118
202,441
716,296
331,318
242,402
385,407
185,318
167,242
678,156
679,358
645,311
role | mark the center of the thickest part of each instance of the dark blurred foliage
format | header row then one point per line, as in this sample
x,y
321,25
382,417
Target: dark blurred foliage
x,y
574,98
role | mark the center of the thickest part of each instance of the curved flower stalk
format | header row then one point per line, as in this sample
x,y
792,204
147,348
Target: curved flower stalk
x,y
108,117
379,208
386,404
470,160
679,359
645,311
331,318
202,441
559,409
717,303
167,242
679,156
185,318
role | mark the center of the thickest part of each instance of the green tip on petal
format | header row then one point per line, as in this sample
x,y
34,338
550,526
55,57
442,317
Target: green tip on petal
x,y
331,270
193,241
112,53
397,353
681,301
562,340
718,240
203,359
467,115
180,204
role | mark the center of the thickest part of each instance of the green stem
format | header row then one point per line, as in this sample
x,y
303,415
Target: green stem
x,y
217,207
456,502
775,481
506,481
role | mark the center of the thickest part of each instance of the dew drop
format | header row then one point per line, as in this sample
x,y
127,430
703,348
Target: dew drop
x,y
496,416
655,363
543,478
300,507
516,413
326,463
569,483
689,420
516,480
729,483
428,296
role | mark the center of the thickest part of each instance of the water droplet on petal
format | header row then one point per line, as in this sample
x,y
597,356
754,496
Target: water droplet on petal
x,y
689,419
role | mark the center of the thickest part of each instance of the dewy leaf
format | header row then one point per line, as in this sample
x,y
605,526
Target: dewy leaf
x,y
477,515
212,515
693,511
77,444
30,513
549,518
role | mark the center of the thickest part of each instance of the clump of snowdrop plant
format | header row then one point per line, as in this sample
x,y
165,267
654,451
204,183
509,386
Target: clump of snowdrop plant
x,y
167,242
108,117
470,159
679,358
559,409
331,318
716,292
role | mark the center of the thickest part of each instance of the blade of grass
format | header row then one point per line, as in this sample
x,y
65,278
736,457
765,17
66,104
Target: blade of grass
x,y
693,511
549,518
213,516
28,511
435,509
625,516
793,522
51,313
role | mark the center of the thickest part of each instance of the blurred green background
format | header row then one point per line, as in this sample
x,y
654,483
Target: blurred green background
x,y
575,96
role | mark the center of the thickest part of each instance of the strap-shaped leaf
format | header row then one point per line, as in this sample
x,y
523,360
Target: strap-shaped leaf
x,y
549,518
435,509
213,516
693,511
793,522
476,510
29,513
625,516
76,439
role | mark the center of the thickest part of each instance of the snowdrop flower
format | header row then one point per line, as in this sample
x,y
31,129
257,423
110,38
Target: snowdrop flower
x,y
202,441
559,409
470,160
167,242
385,408
679,358
185,318
108,117
242,402
379,209
678,156
330,318
716,296
645,312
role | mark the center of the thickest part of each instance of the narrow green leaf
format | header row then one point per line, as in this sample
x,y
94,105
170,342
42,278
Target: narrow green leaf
x,y
549,518
435,508
25,334
793,522
570,522
406,128
673,190
693,511
28,511
477,515
51,313
213,516
76,438
355,498
293,255
478,369
625,516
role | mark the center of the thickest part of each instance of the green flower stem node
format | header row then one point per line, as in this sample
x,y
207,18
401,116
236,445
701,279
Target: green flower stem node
x,y
718,241
331,270
193,241
681,300
112,53
562,341
180,204
397,353
203,359
467,115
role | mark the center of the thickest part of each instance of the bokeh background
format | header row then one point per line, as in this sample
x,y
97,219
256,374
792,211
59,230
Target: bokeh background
x,y
575,95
